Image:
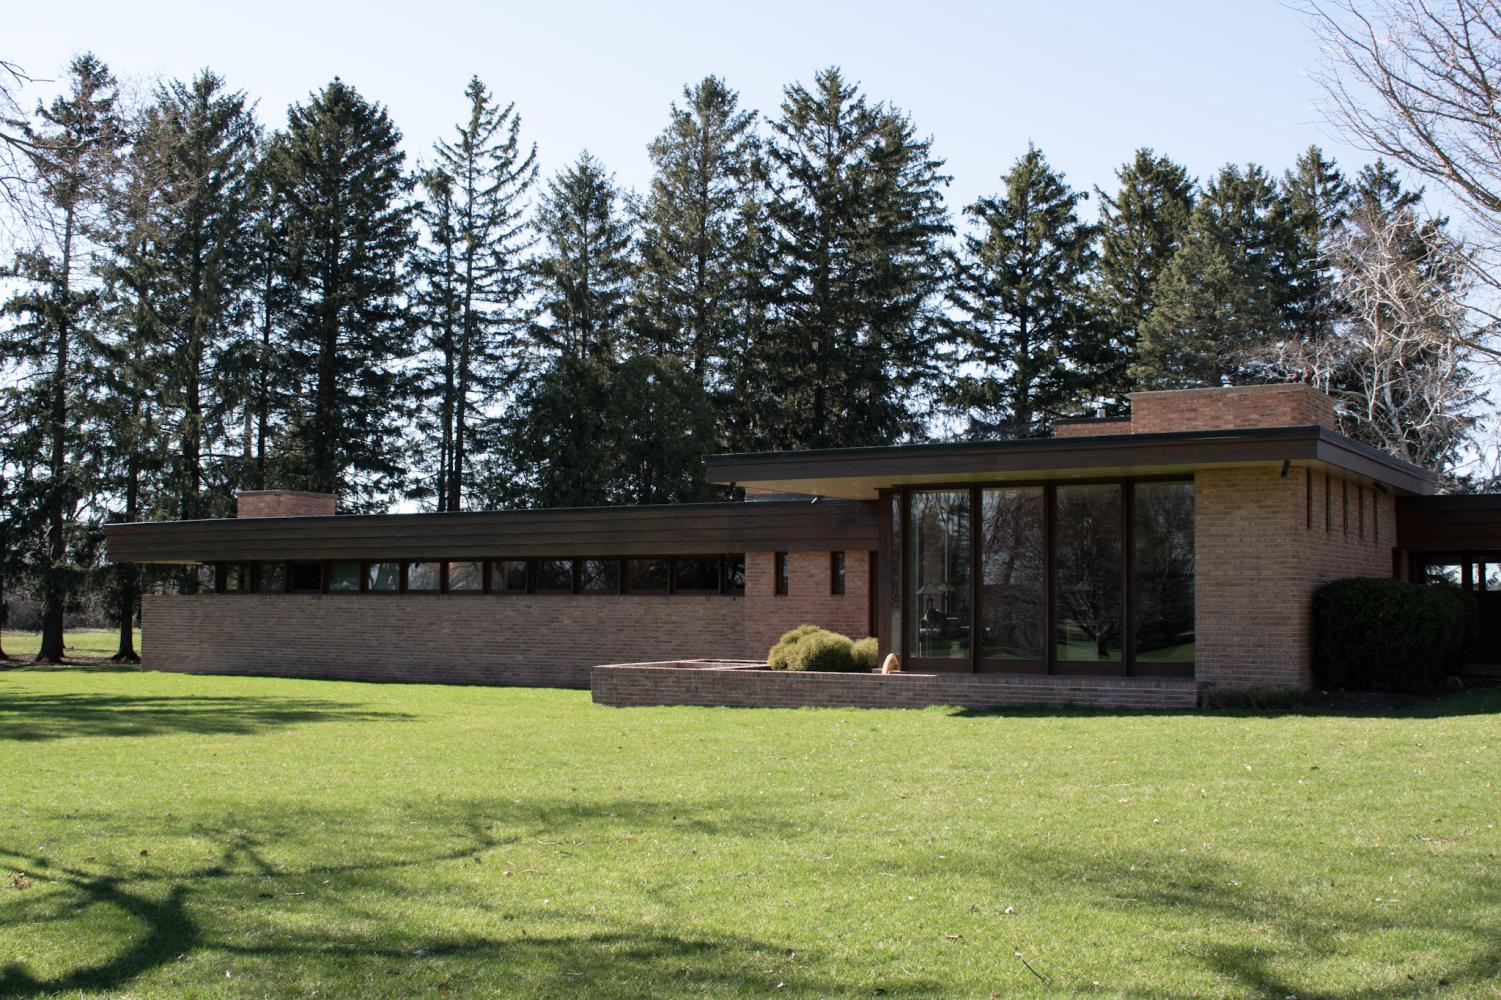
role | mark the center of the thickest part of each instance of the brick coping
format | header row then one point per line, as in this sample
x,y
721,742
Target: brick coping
x,y
740,683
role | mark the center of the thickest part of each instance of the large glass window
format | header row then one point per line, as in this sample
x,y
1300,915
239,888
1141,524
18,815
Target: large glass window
x,y
1013,561
344,577
383,577
599,576
306,577
1164,571
466,577
1090,564
896,573
939,622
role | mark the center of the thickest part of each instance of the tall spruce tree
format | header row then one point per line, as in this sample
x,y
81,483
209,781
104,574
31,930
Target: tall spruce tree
x,y
207,140
1141,227
1315,202
586,265
690,287
1020,286
858,269
472,270
73,146
337,173
1219,301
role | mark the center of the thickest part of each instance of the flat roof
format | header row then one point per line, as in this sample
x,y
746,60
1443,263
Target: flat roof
x,y
648,530
858,473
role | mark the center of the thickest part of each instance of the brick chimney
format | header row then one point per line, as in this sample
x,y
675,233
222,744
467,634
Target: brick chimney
x,y
1240,407
283,503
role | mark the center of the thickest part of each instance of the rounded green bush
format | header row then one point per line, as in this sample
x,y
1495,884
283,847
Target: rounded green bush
x,y
809,647
823,651
777,659
865,653
1388,635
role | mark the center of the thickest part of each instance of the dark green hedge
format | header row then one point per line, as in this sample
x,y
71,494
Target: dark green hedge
x,y
1387,635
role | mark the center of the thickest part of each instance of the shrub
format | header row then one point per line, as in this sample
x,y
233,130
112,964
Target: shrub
x,y
824,651
1387,635
809,647
865,653
777,659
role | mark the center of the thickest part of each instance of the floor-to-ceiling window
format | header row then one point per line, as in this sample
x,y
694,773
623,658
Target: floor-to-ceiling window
x,y
1089,555
1163,572
1062,577
1013,564
940,575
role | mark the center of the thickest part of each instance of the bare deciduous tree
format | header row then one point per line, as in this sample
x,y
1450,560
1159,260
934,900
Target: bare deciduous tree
x,y
1399,362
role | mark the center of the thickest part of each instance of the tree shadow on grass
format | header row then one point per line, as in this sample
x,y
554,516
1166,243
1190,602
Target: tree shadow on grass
x,y
1261,937
33,717
286,933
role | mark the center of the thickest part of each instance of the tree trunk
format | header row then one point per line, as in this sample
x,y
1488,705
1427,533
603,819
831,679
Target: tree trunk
x,y
51,650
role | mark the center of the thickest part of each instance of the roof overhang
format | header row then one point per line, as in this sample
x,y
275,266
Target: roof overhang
x,y
859,473
663,530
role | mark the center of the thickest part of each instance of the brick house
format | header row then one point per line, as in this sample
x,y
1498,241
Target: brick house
x,y
1117,560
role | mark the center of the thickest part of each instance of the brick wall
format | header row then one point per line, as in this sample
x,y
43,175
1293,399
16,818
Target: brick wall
x,y
807,602
1258,562
283,503
639,684
490,639
1232,408
1091,427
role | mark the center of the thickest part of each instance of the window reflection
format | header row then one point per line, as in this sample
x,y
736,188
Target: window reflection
x,y
939,620
1089,567
1012,563
1164,537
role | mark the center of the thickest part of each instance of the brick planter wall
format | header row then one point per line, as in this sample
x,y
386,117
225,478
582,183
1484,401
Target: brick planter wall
x,y
625,685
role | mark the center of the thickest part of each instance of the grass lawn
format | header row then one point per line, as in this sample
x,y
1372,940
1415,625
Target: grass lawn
x,y
166,836
79,642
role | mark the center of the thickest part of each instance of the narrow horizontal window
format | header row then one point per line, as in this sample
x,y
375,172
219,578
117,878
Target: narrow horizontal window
x,y
424,577
734,573
344,577
508,576
271,578
696,575
383,577
646,576
554,576
599,576
466,577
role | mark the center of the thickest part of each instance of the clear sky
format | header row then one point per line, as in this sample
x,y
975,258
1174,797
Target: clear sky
x,y
1205,82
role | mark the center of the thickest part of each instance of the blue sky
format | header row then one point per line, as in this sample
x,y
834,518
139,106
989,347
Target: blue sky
x,y
1088,82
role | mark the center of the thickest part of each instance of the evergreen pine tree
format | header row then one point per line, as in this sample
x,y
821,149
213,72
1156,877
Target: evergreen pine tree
x,y
1141,227
857,269
337,175
1218,308
1315,202
1020,286
473,276
689,287
73,146
207,139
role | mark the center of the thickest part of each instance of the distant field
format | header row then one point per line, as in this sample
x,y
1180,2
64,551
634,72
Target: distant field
x,y
174,836
78,642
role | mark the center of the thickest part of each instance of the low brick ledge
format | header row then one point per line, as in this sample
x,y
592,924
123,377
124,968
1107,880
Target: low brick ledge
x,y
742,684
